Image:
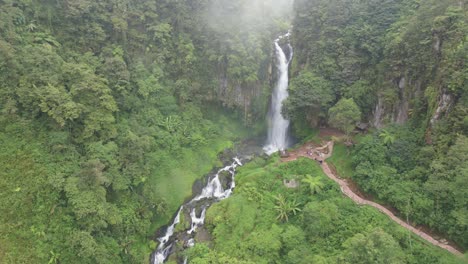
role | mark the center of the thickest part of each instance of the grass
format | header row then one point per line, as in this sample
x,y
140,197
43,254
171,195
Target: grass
x,y
341,160
174,183
312,136
341,157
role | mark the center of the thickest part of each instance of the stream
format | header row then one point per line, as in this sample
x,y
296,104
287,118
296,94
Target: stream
x,y
214,191
189,220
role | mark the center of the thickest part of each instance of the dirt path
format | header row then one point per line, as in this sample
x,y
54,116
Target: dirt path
x,y
321,153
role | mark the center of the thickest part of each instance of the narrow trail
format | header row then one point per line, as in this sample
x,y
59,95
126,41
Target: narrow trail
x,y
321,154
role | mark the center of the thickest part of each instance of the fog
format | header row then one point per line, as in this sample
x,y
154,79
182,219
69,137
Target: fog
x,y
252,14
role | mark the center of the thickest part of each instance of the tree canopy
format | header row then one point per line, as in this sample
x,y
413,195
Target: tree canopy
x,y
344,115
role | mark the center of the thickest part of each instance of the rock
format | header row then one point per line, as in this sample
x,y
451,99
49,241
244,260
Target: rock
x,y
362,126
291,184
202,235
284,154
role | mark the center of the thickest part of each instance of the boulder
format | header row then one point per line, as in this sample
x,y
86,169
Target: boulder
x,y
284,154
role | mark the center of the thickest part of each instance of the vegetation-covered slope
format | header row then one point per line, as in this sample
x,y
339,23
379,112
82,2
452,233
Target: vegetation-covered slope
x,y
403,64
109,110
396,59
266,222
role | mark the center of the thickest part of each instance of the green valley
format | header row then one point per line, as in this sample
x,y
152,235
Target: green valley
x,y
190,131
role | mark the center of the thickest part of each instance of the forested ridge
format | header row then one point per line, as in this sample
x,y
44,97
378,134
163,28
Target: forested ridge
x,y
110,110
403,64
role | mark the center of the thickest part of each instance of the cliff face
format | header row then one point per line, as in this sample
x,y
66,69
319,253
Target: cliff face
x,y
238,51
398,110
249,97
398,60
430,87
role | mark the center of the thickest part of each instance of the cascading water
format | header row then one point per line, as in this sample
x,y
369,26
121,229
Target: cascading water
x,y
278,125
211,193
214,190
163,250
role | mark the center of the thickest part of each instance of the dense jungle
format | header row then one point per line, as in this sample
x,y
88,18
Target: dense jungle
x,y
120,117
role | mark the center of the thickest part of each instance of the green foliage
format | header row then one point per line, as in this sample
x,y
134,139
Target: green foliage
x,y
423,185
387,137
319,218
314,183
341,40
109,111
344,115
363,94
309,98
285,208
341,160
201,254
374,247
385,53
328,229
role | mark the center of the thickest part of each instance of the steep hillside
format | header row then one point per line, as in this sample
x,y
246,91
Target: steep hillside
x,y
403,64
109,111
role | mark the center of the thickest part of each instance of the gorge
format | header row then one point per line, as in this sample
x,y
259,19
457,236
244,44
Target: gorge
x,y
120,122
215,191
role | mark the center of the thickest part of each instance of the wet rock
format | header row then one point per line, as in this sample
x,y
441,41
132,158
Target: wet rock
x,y
225,177
197,186
284,154
203,236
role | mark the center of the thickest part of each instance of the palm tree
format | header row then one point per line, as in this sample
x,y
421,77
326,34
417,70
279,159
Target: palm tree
x,y
170,123
31,26
285,208
281,208
54,258
315,183
387,137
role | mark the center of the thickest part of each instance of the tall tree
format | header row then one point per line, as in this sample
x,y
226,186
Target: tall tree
x,y
344,115
373,247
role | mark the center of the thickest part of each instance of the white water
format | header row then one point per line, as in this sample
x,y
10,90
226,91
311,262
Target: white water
x,y
162,251
212,190
196,221
278,125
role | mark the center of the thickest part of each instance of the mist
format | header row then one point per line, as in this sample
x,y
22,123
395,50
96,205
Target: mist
x,y
226,15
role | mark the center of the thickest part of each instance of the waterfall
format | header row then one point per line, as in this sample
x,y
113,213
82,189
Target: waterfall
x,y
196,221
212,192
278,125
163,250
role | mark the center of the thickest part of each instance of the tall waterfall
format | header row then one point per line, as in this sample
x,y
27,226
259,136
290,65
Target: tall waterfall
x,y
278,125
